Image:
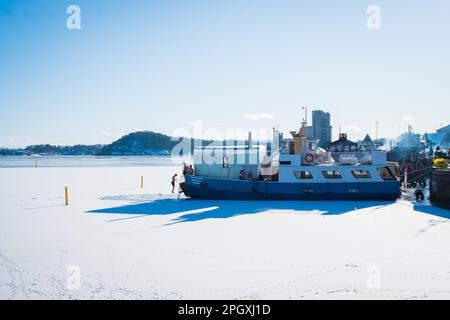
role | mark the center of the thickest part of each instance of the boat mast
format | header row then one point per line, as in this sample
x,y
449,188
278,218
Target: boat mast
x,y
299,137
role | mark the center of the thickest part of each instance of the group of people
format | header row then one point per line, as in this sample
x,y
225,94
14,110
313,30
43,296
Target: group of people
x,y
187,170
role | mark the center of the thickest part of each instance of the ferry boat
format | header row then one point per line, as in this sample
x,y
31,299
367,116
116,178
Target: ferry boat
x,y
296,169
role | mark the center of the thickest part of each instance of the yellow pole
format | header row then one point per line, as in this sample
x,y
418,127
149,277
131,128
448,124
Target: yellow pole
x,y
142,182
67,196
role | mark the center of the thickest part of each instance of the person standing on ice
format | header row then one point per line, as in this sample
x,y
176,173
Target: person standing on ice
x,y
419,195
174,180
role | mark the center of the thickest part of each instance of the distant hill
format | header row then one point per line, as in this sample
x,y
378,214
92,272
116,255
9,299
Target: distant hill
x,y
140,143
143,143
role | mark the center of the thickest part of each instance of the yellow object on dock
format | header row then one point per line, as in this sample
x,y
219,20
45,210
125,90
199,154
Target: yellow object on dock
x,y
142,182
440,163
66,195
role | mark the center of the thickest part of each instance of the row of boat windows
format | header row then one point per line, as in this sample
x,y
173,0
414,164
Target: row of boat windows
x,y
335,174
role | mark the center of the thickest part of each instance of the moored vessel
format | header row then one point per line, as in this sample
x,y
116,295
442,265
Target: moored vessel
x,y
295,169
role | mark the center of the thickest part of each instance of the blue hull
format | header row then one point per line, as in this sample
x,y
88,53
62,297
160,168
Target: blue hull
x,y
223,189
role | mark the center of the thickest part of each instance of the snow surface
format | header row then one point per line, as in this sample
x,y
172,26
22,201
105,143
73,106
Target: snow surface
x,y
133,243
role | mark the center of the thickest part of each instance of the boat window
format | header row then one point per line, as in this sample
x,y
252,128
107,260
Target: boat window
x,y
332,174
302,174
386,174
361,174
285,163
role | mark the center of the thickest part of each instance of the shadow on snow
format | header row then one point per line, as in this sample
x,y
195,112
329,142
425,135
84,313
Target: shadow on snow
x,y
440,212
196,210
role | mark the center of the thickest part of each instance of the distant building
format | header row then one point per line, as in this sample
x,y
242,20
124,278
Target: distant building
x,y
408,139
441,138
321,127
445,129
343,145
367,144
309,132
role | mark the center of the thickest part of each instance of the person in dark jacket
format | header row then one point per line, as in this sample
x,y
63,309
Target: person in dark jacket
x,y
419,195
174,180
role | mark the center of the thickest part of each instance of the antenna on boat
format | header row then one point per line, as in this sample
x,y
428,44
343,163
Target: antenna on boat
x,y
377,123
306,115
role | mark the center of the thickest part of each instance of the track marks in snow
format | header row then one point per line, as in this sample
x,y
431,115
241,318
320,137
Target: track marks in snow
x,y
37,282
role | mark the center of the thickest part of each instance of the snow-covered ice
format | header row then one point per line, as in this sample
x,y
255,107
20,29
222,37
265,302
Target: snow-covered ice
x,y
132,243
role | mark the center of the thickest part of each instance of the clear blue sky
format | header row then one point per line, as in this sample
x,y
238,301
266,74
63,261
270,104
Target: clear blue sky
x,y
157,65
